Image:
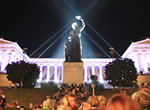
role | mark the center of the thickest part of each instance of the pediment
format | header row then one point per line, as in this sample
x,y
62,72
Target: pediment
x,y
146,41
3,41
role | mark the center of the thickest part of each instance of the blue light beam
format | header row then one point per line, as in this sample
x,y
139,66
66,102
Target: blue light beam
x,y
51,37
101,37
96,44
53,43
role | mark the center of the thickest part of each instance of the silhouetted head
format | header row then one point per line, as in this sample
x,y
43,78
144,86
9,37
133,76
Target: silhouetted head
x,y
121,102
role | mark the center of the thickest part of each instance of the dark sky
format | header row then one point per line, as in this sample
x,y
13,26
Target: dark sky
x,y
32,22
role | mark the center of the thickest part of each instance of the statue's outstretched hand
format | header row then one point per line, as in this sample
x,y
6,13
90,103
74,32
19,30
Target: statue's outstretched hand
x,y
78,17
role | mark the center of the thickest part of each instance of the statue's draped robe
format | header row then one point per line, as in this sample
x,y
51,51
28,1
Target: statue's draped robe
x,y
73,47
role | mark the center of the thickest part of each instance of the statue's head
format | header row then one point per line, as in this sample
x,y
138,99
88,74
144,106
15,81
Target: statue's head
x,y
74,25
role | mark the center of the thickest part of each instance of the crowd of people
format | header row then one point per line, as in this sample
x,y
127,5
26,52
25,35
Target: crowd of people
x,y
79,91
77,97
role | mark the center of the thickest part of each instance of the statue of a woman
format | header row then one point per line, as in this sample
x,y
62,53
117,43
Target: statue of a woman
x,y
73,47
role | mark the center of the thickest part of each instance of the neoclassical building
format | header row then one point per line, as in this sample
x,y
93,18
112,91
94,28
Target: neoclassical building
x,y
51,69
139,52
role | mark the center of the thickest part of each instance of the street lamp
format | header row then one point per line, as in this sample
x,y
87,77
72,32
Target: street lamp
x,y
24,52
112,51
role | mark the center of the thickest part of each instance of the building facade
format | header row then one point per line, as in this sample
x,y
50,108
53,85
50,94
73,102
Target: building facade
x,y
51,69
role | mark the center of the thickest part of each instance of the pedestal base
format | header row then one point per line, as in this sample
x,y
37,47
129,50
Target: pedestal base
x,y
73,73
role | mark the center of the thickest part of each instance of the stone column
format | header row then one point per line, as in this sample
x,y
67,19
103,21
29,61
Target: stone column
x,y
55,73
144,63
101,75
48,73
136,63
41,72
93,70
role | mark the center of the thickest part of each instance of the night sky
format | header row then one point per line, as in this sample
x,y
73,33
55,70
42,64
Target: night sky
x,y
32,22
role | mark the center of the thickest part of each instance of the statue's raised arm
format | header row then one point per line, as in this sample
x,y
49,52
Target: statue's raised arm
x,y
83,23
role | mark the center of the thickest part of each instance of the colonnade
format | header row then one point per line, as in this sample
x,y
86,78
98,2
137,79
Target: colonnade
x,y
54,73
142,62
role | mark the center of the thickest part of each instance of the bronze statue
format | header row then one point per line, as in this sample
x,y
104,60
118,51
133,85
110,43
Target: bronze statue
x,y
73,47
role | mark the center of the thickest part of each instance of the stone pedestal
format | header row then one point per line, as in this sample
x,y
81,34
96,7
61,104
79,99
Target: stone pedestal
x,y
73,73
4,81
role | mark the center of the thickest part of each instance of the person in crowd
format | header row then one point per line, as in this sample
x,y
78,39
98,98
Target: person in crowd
x,y
121,102
85,106
142,97
37,107
47,104
68,103
64,104
13,104
102,102
1,102
3,98
102,99
93,100
72,102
